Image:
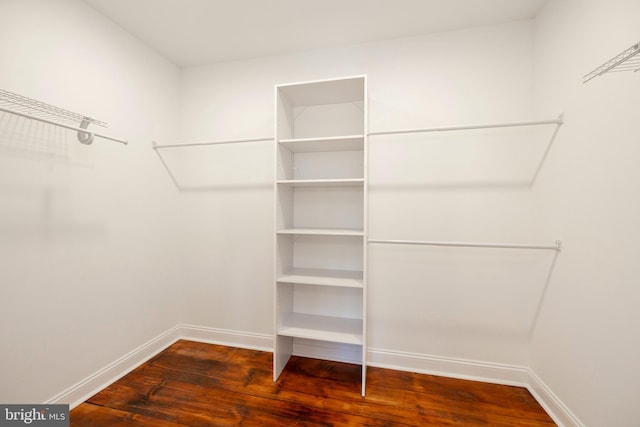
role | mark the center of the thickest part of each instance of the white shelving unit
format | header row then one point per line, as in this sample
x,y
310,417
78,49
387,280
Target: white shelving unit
x,y
321,224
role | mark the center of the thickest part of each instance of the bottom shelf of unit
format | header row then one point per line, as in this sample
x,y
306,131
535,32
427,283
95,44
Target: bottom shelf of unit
x,y
324,328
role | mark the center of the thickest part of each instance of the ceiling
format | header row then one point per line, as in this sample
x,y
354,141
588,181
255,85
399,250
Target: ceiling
x,y
198,32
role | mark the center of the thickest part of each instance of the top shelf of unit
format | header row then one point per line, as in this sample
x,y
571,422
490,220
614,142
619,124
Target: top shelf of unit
x,y
324,91
336,143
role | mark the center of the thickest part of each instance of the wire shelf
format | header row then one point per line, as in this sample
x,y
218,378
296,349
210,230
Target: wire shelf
x,y
32,109
39,109
629,60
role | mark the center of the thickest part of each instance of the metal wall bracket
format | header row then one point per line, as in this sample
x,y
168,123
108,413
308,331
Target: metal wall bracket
x,y
85,137
628,60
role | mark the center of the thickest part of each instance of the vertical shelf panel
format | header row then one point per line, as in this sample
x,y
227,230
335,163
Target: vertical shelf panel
x,y
321,225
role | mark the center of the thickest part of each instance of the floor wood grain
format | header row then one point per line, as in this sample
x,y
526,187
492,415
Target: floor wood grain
x,y
195,384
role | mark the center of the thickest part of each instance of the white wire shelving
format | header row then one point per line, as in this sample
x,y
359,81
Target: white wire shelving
x,y
628,60
31,109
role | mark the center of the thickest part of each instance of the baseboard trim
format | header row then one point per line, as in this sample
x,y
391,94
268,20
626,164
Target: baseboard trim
x,y
248,340
505,374
404,361
449,367
81,391
556,409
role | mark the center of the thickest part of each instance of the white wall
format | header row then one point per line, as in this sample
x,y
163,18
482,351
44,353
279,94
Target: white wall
x,y
100,253
461,303
87,233
586,345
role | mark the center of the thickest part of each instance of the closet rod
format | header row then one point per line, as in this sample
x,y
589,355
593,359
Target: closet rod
x,y
558,121
229,141
51,122
556,247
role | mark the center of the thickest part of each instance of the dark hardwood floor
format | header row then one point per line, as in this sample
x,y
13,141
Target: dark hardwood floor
x,y
194,384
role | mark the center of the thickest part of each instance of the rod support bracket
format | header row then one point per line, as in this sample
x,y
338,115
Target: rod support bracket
x,y
559,245
85,138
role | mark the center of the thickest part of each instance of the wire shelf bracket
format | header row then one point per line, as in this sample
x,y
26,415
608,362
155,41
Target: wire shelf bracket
x,y
628,60
32,109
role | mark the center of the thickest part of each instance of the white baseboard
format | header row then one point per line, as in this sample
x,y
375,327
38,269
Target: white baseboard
x,y
478,371
449,367
252,341
404,361
81,391
557,410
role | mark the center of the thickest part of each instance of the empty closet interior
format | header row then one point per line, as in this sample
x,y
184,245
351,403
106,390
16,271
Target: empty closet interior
x,y
455,199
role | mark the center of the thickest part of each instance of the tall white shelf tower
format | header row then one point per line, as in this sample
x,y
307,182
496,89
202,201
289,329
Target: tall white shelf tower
x,y
321,221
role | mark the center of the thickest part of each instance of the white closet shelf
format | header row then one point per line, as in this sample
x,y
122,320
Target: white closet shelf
x,y
321,277
323,231
32,109
350,182
324,328
331,91
330,143
320,200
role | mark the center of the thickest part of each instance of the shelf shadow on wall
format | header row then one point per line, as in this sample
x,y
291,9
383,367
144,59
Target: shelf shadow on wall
x,y
33,215
543,294
471,176
224,187
25,139
248,185
527,324
455,186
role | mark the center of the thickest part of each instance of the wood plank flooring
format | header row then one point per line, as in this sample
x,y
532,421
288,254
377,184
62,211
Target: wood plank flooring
x,y
195,384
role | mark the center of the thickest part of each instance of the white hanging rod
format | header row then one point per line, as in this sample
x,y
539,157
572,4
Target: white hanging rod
x,y
83,133
624,61
556,247
558,121
229,141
